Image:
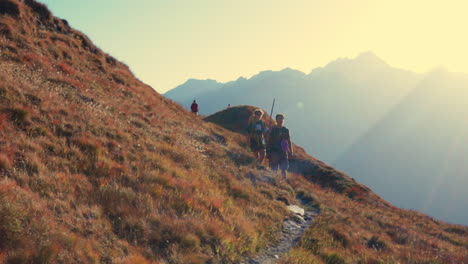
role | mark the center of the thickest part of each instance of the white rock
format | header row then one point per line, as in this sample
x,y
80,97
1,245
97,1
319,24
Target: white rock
x,y
296,209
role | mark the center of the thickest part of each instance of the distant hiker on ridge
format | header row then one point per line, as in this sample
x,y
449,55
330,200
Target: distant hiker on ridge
x,y
257,130
279,146
194,107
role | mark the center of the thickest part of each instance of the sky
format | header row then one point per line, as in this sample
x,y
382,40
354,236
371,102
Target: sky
x,y
166,42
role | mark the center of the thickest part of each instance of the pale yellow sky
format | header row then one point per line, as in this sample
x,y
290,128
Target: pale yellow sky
x,y
166,42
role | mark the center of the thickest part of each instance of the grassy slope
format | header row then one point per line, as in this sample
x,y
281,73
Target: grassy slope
x,y
97,167
355,225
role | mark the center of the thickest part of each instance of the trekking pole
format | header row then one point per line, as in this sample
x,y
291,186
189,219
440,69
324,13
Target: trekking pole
x,y
273,106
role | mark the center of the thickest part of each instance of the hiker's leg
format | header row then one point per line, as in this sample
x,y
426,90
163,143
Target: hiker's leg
x,y
274,161
262,154
256,154
284,165
284,174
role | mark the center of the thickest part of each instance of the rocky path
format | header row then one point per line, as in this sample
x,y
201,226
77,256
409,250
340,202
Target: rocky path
x,y
292,232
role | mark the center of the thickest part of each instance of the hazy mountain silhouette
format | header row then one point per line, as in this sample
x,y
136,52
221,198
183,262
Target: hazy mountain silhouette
x,y
327,109
185,91
415,156
400,132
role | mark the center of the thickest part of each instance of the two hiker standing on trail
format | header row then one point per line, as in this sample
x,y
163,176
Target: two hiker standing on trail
x,y
194,107
278,144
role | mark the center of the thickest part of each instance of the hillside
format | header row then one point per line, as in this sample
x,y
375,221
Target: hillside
x,y
96,167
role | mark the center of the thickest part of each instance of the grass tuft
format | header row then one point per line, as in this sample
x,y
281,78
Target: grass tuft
x,y
8,7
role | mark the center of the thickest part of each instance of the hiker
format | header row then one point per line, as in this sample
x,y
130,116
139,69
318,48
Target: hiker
x,y
257,130
194,107
279,146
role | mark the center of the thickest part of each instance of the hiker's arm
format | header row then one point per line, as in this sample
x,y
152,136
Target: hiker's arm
x,y
290,144
268,141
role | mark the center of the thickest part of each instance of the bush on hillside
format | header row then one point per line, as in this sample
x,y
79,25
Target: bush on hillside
x,y
18,116
376,244
7,7
12,224
333,259
40,9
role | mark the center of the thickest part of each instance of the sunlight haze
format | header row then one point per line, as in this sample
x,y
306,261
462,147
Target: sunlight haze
x,y
167,42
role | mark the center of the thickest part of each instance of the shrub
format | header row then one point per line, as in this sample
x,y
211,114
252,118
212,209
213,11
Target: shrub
x,y
46,254
5,30
18,116
376,244
7,7
33,99
40,9
333,259
339,237
123,201
308,198
31,167
238,192
134,232
456,230
310,243
12,223
399,236
88,147
38,132
356,192
18,259
118,79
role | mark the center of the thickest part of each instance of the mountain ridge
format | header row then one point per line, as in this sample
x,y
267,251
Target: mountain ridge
x,y
97,167
331,86
333,107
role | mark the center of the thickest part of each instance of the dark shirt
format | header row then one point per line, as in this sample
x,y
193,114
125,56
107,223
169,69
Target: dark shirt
x,y
256,129
276,136
194,107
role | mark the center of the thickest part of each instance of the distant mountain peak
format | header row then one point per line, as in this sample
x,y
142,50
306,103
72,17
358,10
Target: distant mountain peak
x,y
365,62
370,57
368,54
195,81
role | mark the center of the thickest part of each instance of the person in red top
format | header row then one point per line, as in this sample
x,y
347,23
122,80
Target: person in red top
x,y
194,107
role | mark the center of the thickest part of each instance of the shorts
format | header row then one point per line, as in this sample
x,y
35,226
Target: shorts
x,y
279,159
256,145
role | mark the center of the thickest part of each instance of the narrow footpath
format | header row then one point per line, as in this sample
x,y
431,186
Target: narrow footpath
x,y
292,232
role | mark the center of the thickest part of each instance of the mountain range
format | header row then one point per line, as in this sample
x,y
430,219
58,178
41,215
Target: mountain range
x,y
348,114
328,108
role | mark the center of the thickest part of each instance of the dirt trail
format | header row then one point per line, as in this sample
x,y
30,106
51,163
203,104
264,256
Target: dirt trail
x,y
292,232
292,228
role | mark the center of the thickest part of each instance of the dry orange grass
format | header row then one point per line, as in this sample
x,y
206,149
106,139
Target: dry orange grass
x,y
97,167
117,171
348,231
